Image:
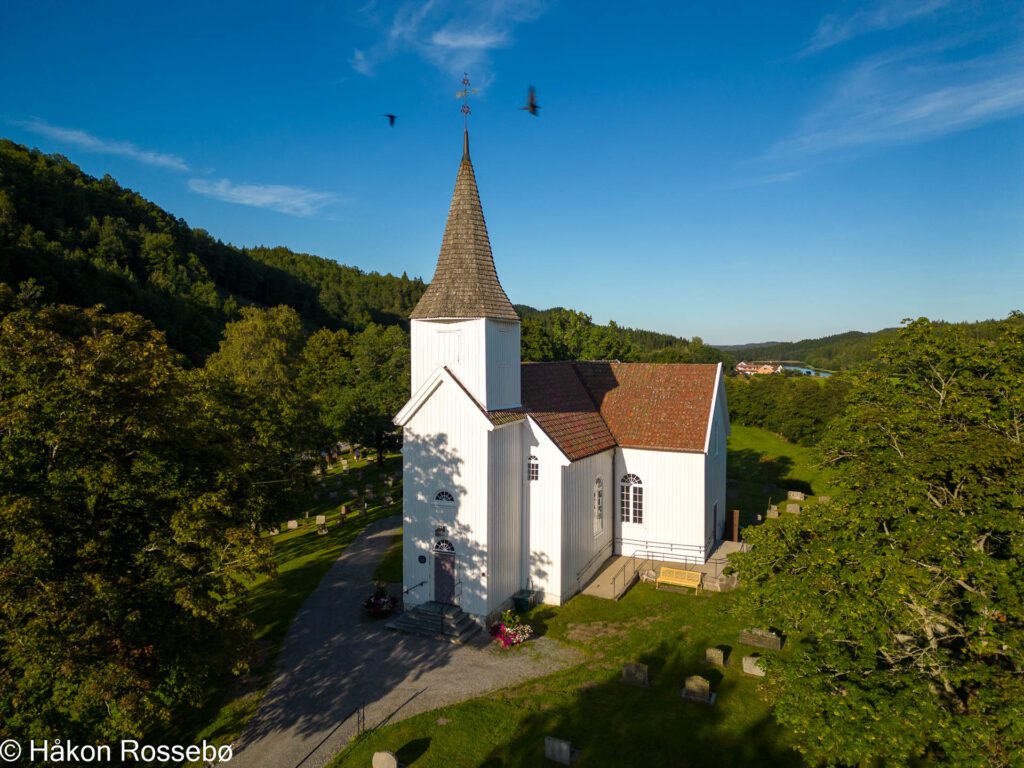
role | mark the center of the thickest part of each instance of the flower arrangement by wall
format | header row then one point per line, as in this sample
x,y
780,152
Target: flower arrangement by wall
x,y
510,630
380,603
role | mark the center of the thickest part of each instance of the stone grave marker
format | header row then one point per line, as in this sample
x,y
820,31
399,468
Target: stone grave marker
x,y
752,665
321,519
390,481
762,638
388,500
795,496
716,656
385,760
293,524
558,750
634,673
793,509
698,688
274,531
366,508
773,510
824,499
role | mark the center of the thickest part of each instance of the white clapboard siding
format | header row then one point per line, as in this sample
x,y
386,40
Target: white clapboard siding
x,y
445,448
581,548
674,511
503,379
543,499
482,353
504,574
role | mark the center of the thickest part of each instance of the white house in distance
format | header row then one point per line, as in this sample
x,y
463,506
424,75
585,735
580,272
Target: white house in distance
x,y
531,475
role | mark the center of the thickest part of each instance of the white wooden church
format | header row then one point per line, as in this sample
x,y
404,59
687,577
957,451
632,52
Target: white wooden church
x,y
529,476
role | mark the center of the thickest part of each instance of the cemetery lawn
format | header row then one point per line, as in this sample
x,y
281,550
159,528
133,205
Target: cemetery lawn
x,y
613,724
758,458
302,559
390,568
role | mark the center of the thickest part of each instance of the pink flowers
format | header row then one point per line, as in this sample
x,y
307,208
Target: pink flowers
x,y
510,630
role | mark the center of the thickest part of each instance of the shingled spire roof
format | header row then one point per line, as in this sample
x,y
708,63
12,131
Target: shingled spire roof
x,y
465,283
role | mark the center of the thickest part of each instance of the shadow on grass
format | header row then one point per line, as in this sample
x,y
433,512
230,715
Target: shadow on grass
x,y
538,618
613,724
412,751
761,480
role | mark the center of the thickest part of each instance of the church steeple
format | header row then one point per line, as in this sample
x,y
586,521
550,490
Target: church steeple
x,y
465,284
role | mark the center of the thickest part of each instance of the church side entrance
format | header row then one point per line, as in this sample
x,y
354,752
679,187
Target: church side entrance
x,y
444,572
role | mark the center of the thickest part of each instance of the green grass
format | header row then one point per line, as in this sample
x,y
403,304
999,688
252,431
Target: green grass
x,y
611,723
758,458
302,558
390,568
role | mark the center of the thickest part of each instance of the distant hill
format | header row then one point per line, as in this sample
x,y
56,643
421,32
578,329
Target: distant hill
x,y
837,352
91,241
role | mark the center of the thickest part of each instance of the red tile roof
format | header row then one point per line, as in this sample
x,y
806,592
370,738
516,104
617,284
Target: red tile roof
x,y
555,397
653,405
586,408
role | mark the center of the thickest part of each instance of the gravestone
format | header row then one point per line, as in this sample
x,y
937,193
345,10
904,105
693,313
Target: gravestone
x,y
388,500
344,463
274,531
773,510
716,656
293,524
344,511
752,665
793,509
366,508
385,760
698,688
795,496
390,481
824,499
321,519
558,750
635,673
762,638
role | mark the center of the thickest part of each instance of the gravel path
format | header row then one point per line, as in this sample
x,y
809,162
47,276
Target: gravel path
x,y
334,659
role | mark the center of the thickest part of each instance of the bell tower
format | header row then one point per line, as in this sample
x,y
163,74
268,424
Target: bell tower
x,y
464,321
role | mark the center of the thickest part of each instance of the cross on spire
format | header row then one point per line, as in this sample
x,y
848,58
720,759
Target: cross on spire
x,y
464,94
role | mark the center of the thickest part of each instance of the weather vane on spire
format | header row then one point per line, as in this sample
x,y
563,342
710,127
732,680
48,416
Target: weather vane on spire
x,y
464,94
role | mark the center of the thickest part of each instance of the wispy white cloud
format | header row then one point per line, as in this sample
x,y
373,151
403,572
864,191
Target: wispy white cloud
x,y
908,96
90,143
294,201
454,35
835,29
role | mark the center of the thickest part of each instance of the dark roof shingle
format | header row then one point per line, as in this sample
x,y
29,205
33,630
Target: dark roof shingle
x,y
465,283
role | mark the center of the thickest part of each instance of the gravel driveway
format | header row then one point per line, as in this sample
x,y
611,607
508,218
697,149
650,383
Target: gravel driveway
x,y
334,660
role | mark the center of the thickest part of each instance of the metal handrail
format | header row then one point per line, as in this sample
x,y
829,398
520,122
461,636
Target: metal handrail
x,y
593,559
417,586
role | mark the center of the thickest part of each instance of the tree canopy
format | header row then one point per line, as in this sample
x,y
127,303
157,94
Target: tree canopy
x,y
126,519
906,593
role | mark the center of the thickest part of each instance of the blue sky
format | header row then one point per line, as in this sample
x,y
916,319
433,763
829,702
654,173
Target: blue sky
x,y
736,171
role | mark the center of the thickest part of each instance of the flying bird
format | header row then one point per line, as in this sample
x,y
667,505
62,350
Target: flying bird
x,y
391,120
531,102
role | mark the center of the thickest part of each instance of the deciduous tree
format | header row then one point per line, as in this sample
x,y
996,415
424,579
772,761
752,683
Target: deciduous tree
x,y
906,593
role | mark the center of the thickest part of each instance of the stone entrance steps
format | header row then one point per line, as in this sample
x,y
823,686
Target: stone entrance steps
x,y
437,620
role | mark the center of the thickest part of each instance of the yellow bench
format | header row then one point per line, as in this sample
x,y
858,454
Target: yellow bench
x,y
677,577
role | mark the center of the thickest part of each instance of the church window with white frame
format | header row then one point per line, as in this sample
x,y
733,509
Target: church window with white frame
x,y
533,468
631,498
598,507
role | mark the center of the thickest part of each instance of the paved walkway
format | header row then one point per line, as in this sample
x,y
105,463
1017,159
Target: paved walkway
x,y
334,659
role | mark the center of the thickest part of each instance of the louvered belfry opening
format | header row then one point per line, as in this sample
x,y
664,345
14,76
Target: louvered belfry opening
x,y
465,283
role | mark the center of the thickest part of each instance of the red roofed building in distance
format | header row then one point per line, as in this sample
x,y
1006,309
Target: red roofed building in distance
x,y
530,476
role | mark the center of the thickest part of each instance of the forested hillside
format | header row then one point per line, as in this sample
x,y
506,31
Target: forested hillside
x,y
89,241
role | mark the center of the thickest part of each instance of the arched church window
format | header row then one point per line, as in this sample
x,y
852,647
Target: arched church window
x,y
533,468
444,546
444,497
598,507
631,498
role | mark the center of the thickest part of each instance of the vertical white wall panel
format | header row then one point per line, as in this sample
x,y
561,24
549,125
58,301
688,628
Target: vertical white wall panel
x,y
674,509
581,548
543,499
445,449
505,522
503,369
457,344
